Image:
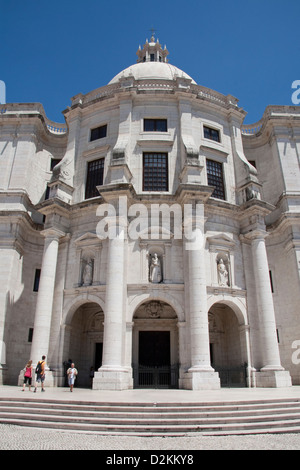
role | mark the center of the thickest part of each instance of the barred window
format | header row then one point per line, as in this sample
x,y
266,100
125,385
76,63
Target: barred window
x,y
94,178
155,172
212,134
215,178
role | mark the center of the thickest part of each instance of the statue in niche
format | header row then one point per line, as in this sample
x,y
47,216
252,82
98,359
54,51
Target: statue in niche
x,y
87,273
222,273
155,275
251,194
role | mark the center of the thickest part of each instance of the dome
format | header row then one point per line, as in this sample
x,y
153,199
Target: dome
x,y
152,64
151,70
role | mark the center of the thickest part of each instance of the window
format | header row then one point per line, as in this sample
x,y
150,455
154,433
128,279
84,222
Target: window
x,y
212,134
98,132
94,178
36,280
155,168
47,193
215,178
271,281
155,125
53,163
30,335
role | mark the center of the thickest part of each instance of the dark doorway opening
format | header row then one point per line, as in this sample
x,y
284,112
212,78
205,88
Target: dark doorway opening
x,y
98,355
154,348
154,369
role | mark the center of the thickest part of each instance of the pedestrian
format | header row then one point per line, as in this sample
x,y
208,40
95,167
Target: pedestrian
x,y
72,373
92,374
28,375
40,373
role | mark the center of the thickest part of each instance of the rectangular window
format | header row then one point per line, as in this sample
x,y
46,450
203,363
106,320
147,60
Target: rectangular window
x,y
155,125
53,163
215,178
94,178
155,172
271,282
47,193
30,335
36,280
98,132
212,134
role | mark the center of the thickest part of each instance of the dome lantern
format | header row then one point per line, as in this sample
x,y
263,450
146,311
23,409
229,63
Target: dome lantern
x,y
152,52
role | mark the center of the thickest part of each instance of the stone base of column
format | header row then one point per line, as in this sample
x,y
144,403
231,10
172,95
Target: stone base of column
x,y
3,373
200,380
273,378
113,379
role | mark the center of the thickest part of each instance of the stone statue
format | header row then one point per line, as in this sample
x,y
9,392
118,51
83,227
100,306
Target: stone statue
x,y
87,274
155,275
222,273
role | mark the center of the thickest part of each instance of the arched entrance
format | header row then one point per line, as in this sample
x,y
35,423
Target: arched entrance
x,y
155,354
227,346
84,341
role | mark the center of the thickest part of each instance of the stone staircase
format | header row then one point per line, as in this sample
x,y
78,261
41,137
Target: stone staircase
x,y
163,419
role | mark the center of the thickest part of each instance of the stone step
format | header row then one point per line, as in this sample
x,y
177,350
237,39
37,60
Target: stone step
x,y
147,421
155,407
176,414
154,419
163,429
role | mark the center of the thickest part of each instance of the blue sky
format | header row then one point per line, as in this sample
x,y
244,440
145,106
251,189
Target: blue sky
x,y
50,51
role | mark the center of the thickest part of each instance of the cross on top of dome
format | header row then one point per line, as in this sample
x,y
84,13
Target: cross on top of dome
x,y
152,51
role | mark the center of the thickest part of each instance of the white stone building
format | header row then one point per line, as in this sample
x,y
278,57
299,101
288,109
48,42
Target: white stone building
x,y
167,173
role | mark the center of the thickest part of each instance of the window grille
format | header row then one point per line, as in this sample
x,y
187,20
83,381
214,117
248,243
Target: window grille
x,y
155,172
215,178
94,178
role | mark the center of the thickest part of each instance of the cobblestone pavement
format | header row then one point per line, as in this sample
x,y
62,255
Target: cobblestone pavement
x,y
23,438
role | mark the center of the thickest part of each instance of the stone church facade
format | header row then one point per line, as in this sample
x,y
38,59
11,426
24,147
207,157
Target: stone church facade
x,y
152,237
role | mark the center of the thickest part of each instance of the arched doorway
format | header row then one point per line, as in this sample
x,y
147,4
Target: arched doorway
x,y
84,341
155,354
227,346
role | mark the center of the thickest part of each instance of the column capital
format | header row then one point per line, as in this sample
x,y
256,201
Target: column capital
x,y
53,232
256,234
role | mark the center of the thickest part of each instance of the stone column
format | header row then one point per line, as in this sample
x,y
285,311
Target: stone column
x,y
113,374
43,313
272,374
200,375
